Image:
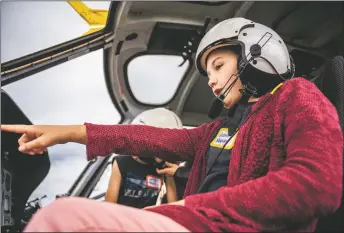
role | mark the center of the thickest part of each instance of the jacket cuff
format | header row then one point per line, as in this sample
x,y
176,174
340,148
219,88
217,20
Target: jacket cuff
x,y
91,147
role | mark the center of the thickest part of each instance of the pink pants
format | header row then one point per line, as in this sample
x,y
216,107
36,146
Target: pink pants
x,y
73,214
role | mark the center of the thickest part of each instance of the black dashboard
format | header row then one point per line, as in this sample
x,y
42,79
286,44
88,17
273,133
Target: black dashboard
x,y
21,174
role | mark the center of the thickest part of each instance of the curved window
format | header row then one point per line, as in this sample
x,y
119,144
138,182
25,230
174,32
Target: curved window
x,y
154,79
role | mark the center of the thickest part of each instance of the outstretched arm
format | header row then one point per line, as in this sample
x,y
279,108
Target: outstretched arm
x,y
308,186
101,140
142,140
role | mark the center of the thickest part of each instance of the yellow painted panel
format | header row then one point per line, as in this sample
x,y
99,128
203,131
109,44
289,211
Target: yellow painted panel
x,y
92,16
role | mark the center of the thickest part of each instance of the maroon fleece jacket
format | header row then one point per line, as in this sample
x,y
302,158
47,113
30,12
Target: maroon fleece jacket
x,y
285,168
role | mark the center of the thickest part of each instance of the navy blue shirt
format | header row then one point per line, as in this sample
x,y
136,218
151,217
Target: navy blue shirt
x,y
218,165
140,185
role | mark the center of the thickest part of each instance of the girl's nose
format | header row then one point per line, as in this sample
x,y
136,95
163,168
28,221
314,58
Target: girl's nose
x,y
211,83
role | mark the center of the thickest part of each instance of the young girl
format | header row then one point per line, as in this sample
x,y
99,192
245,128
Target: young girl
x,y
273,165
134,181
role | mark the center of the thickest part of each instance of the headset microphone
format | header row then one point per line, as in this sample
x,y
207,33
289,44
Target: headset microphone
x,y
216,107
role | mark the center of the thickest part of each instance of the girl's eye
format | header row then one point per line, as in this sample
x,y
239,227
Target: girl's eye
x,y
217,67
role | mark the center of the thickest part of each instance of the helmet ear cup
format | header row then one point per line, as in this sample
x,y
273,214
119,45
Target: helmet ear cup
x,y
257,82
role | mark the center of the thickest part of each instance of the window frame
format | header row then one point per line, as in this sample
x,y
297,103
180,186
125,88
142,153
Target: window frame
x,y
57,51
58,48
126,77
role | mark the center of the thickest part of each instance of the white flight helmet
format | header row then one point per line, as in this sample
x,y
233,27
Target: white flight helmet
x,y
158,117
264,60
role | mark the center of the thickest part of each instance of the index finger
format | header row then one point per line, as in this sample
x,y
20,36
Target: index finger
x,y
15,128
